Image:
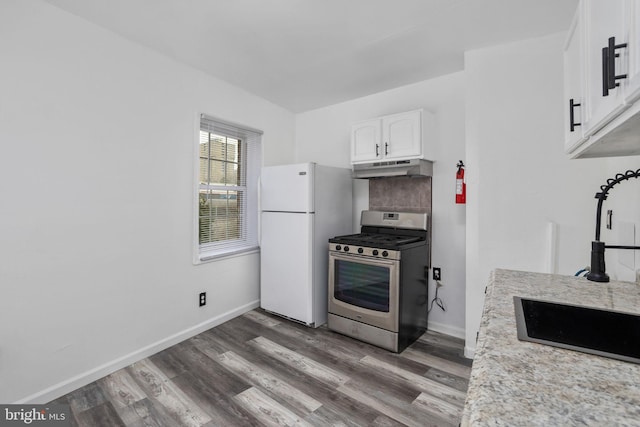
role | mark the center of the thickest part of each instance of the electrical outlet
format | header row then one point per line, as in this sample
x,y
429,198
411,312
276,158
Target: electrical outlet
x,y
203,299
436,273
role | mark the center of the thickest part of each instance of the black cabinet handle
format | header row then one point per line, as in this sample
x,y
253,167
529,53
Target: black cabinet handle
x,y
377,151
611,72
572,124
386,148
609,56
605,71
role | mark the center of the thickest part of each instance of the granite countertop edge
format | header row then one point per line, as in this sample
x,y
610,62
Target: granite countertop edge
x,y
522,383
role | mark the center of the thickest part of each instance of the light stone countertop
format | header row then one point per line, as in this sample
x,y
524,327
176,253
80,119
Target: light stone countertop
x,y
517,383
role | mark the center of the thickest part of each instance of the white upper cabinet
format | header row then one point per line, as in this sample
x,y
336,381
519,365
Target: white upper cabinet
x,y
633,85
575,82
608,113
365,141
607,59
401,135
394,137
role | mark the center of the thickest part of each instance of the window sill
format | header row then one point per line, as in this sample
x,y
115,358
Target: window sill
x,y
206,258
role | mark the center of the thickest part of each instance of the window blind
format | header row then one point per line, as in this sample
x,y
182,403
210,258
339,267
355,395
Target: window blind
x,y
229,164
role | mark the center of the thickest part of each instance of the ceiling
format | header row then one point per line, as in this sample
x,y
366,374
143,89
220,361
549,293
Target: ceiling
x,y
306,54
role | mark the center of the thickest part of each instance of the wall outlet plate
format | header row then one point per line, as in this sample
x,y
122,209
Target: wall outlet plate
x,y
436,273
202,299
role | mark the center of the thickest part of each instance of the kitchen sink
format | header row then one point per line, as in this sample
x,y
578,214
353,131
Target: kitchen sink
x,y
602,332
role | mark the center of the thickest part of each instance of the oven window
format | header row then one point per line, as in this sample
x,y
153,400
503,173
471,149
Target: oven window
x,y
363,285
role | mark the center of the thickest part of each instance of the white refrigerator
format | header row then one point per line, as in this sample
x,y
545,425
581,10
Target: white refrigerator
x,y
302,207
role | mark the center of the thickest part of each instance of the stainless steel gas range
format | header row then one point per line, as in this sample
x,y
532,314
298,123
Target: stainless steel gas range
x,y
378,280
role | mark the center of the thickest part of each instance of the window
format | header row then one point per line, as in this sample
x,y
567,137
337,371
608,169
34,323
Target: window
x,y
228,168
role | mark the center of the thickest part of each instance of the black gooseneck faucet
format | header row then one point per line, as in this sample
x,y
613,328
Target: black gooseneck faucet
x,y
598,270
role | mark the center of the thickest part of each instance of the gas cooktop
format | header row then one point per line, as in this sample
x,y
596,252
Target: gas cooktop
x,y
386,230
372,239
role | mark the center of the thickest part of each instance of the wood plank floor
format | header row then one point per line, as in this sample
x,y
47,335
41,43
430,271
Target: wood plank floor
x,y
261,370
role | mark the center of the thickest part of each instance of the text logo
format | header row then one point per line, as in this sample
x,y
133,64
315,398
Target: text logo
x,y
35,415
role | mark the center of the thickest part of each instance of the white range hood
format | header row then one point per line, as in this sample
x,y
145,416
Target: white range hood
x,y
413,167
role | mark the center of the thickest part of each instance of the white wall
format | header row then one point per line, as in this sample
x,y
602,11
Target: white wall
x,y
97,146
96,134
520,180
323,136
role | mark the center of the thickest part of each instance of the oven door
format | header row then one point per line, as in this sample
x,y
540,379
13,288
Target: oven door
x,y
364,289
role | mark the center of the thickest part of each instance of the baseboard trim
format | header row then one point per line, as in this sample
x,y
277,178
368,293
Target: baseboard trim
x,y
452,331
469,352
92,375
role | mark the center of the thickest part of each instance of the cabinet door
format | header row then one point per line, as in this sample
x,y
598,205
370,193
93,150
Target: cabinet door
x,y
605,19
574,82
365,141
633,89
401,135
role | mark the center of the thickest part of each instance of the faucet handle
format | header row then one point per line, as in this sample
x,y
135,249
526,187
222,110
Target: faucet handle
x,y
597,272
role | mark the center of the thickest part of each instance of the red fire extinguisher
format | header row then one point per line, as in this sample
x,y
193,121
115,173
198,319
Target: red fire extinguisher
x,y
461,185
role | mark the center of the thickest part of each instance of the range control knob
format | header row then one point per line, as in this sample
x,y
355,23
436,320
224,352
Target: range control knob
x,y
338,247
360,250
375,252
346,248
385,253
